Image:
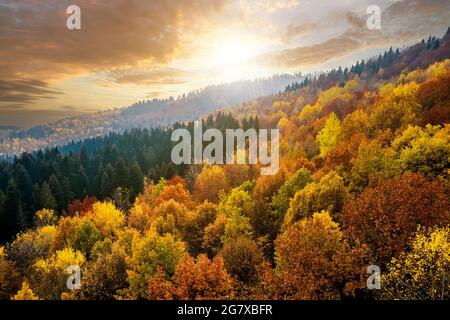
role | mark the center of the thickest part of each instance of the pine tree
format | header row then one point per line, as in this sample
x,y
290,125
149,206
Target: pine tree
x,y
136,185
66,192
121,174
107,182
9,219
55,188
47,199
23,182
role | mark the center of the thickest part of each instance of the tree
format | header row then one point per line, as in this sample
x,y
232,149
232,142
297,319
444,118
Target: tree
x,y
385,216
176,192
25,293
81,207
9,276
280,201
242,256
396,111
107,182
45,217
170,217
49,275
136,178
329,136
422,272
149,253
212,240
328,194
86,235
105,276
48,201
194,280
196,222
424,150
55,188
23,183
121,175
209,183
315,261
371,163
9,219
107,218
236,225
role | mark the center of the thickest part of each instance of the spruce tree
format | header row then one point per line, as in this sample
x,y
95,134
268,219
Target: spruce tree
x,y
48,201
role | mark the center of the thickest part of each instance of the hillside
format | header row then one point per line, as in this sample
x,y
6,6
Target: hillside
x,y
144,114
363,183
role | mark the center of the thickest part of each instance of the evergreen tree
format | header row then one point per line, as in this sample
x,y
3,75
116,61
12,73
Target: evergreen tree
x,y
35,204
120,174
55,188
66,192
9,219
23,182
107,182
136,183
48,201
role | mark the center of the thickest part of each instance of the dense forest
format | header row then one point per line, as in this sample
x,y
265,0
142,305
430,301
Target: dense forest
x,y
363,181
110,167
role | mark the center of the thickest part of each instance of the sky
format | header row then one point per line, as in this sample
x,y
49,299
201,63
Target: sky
x,y
128,51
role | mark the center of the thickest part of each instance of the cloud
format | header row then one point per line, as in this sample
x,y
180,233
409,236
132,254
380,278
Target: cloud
x,y
147,76
294,30
16,92
69,108
402,22
310,55
34,40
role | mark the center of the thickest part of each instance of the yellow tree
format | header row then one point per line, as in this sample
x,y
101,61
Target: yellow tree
x,y
49,276
25,293
329,136
107,218
423,272
209,183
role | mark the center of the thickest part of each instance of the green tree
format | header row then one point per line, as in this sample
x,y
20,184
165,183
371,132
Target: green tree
x,y
47,199
280,201
328,194
424,150
9,220
86,235
136,184
121,175
149,253
55,188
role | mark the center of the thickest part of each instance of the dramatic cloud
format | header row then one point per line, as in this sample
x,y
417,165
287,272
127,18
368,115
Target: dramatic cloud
x,y
147,76
24,91
34,39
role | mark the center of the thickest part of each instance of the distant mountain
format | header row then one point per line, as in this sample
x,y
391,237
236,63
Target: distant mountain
x,y
144,114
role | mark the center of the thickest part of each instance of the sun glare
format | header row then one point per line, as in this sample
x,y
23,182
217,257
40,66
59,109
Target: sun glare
x,y
233,52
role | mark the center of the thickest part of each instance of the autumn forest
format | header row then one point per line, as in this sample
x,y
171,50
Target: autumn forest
x,y
363,182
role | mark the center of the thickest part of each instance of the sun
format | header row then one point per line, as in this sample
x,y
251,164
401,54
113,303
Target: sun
x,y
233,52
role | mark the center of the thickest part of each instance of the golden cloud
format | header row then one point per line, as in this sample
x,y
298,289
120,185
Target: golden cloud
x,y
35,42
